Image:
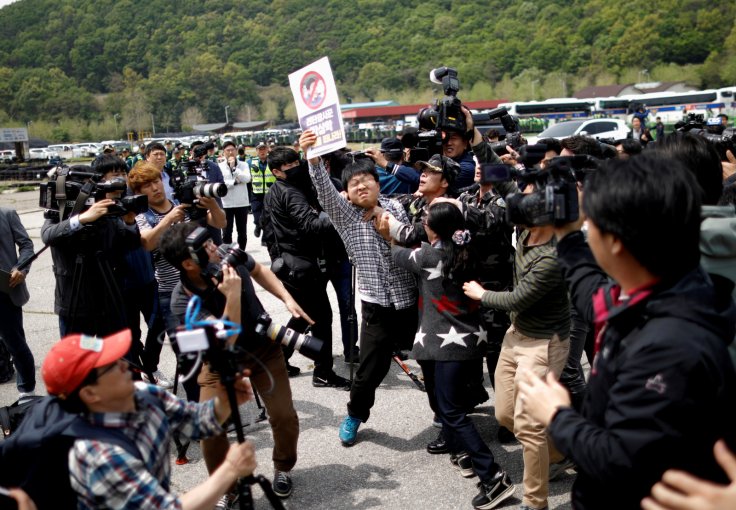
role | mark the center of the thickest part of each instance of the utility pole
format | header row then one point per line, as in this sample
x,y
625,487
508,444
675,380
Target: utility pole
x,y
117,134
227,120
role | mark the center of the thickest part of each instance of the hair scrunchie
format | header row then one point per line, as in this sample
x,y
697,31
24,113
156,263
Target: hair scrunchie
x,y
461,237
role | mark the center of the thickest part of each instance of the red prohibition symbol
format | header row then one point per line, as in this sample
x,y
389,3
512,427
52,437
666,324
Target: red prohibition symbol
x,y
313,90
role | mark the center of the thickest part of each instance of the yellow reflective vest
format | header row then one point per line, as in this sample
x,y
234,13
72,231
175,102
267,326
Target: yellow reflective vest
x,y
260,181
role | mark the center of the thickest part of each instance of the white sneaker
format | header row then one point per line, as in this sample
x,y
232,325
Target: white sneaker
x,y
25,394
160,380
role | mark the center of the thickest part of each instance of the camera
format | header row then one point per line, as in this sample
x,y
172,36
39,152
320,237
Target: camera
x,y
445,114
189,186
202,149
306,345
75,189
712,130
513,138
555,201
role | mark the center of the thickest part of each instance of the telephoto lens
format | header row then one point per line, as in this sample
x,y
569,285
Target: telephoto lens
x,y
210,190
306,345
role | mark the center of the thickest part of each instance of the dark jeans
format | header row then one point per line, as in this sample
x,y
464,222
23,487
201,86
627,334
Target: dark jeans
x,y
311,295
380,329
340,275
460,432
12,333
144,300
256,207
239,217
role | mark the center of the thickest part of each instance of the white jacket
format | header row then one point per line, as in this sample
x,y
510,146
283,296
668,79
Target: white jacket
x,y
236,180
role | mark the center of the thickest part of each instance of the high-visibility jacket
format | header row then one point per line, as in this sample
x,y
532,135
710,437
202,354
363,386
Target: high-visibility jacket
x,y
260,180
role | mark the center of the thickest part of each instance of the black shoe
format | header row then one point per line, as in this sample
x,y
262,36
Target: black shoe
x,y
282,485
403,356
354,359
493,491
505,436
292,370
257,231
477,395
330,381
462,462
439,445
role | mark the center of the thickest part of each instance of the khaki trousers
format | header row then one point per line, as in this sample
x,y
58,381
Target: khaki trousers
x,y
540,356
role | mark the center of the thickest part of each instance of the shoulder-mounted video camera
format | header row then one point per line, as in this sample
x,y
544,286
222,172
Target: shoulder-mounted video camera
x,y
555,199
712,130
73,190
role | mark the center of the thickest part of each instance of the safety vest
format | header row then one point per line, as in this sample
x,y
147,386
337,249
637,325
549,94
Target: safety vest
x,y
261,181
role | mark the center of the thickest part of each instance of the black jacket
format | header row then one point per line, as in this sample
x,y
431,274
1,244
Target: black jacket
x,y
662,389
291,224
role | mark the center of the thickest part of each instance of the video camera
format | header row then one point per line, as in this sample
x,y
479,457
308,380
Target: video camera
x,y
712,130
555,202
73,190
513,137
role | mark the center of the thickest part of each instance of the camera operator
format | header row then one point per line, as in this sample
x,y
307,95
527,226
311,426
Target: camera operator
x,y
262,180
262,357
662,387
295,233
87,252
162,213
393,176
537,340
90,377
236,202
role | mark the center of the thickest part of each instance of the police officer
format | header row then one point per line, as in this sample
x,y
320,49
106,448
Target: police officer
x,y
261,180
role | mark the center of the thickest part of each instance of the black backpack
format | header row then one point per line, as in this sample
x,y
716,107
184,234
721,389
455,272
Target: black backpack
x,y
36,456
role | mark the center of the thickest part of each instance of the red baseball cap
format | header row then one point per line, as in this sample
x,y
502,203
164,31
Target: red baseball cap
x,y
73,357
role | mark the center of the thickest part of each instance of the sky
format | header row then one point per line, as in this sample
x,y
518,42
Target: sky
x,y
3,3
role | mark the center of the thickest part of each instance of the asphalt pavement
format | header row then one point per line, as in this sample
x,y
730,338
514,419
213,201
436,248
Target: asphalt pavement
x,y
387,468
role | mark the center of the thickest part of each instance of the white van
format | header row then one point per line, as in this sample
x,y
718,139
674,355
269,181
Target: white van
x,y
63,150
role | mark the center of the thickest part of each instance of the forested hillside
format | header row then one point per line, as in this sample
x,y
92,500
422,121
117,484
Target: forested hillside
x,y
183,61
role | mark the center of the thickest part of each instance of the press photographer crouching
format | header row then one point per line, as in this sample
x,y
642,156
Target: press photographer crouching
x,y
90,374
189,248
89,228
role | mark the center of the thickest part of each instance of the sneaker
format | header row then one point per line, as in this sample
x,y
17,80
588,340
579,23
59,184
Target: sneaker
x,y
493,491
559,468
257,231
159,379
438,445
292,370
26,394
349,430
282,485
228,501
462,462
436,422
330,381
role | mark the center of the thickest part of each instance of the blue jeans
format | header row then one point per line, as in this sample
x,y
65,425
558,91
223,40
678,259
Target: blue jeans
x,y
12,333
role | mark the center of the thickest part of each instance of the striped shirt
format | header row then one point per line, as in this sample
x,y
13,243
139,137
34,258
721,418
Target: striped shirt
x,y
539,303
380,281
167,276
106,476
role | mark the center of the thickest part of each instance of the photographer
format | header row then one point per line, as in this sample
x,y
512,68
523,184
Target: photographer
x,y
87,252
662,387
236,202
88,375
393,176
162,213
296,233
262,357
537,340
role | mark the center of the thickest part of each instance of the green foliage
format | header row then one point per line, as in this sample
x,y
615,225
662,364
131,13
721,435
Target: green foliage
x,y
169,63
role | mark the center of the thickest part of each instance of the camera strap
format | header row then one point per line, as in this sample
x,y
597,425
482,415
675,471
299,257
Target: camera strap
x,y
84,194
60,194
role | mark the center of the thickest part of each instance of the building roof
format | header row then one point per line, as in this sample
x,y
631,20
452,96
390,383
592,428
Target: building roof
x,y
374,104
600,91
632,88
412,109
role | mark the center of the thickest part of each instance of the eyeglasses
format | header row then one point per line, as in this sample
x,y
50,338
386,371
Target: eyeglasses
x,y
108,368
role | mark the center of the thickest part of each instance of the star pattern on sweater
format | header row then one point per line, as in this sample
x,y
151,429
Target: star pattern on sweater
x,y
445,304
482,335
413,255
419,337
434,272
453,337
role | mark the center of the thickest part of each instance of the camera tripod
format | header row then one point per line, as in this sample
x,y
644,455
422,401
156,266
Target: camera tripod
x,y
225,363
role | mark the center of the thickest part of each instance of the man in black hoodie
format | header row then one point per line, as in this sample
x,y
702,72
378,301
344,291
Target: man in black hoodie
x,y
662,387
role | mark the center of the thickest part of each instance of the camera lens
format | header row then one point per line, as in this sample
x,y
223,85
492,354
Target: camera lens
x,y
210,190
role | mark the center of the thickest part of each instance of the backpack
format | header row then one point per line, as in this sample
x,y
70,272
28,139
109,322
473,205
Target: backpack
x,y
12,415
36,456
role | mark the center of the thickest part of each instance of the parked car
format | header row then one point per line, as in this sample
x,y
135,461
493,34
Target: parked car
x,y
7,156
43,153
63,150
596,128
86,150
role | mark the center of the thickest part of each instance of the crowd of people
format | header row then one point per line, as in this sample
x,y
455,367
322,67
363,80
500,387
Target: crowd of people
x,y
627,259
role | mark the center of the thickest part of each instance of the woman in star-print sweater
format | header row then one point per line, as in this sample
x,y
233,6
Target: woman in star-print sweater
x,y
450,337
